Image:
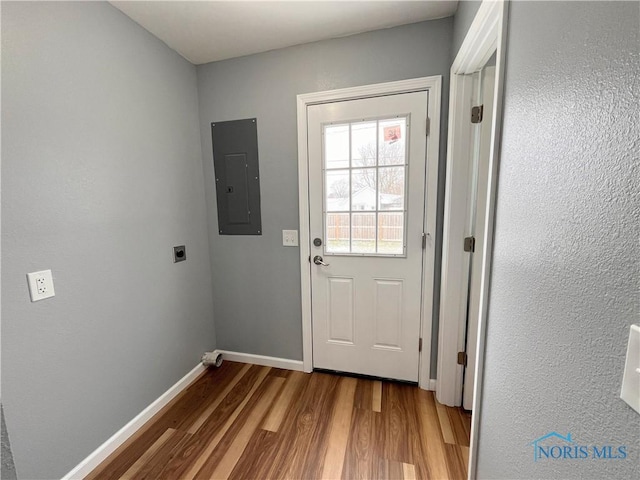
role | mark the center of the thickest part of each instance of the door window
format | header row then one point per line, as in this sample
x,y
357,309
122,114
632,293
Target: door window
x,y
364,166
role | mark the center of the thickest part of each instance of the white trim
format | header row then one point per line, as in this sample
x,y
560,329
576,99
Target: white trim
x,y
432,384
428,261
368,91
482,158
107,448
487,254
305,248
455,262
276,362
434,86
481,39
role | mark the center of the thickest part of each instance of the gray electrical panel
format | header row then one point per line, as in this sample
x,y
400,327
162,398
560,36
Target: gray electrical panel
x,y
235,160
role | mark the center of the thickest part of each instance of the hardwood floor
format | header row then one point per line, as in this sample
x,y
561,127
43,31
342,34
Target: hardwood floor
x,y
250,422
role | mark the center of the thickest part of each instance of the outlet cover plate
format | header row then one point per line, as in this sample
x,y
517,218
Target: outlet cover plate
x,y
631,378
40,285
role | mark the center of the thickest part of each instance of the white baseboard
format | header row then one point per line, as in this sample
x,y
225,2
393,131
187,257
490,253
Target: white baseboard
x,y
107,448
276,362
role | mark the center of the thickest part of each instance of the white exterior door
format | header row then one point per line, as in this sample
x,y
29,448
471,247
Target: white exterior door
x,y
367,198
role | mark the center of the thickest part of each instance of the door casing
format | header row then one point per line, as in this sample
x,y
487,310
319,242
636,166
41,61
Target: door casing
x,y
433,85
485,80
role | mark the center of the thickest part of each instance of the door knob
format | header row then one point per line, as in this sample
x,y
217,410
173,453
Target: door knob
x,y
318,261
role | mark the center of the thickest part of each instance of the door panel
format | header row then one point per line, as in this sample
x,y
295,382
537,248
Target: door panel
x,y
366,194
340,306
388,314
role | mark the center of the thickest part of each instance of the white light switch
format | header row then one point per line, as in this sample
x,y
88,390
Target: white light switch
x,y
290,238
40,285
631,379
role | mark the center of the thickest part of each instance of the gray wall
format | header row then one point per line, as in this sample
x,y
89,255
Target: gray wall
x,y
101,176
566,270
462,20
256,281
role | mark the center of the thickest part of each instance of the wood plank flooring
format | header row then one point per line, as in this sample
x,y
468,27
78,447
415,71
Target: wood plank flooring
x,y
250,422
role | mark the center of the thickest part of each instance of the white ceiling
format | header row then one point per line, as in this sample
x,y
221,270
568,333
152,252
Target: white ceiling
x,y
206,31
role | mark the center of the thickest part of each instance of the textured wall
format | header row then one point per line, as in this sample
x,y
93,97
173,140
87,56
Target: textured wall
x,y
256,281
566,270
101,176
8,469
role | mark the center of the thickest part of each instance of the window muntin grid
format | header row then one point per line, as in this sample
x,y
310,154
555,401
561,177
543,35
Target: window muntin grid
x,y
365,167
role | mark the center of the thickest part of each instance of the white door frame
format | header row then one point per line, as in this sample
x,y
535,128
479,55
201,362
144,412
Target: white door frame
x,y
486,83
487,34
433,85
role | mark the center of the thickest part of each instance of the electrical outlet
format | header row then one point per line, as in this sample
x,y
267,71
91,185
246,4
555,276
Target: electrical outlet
x,y
40,285
290,238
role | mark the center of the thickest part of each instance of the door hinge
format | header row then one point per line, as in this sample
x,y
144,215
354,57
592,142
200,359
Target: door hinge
x,y
476,114
462,359
428,130
420,345
424,240
469,244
